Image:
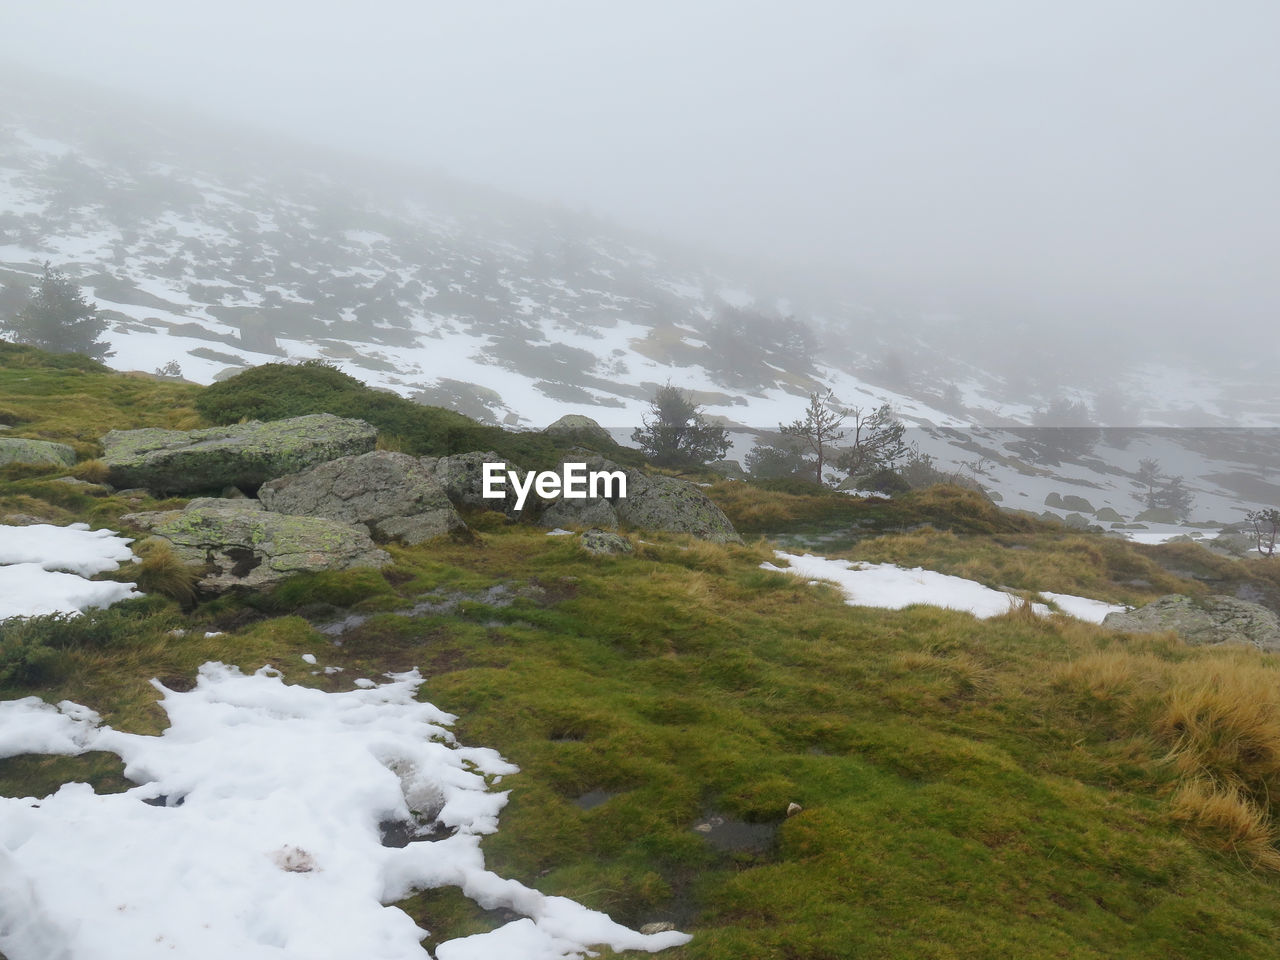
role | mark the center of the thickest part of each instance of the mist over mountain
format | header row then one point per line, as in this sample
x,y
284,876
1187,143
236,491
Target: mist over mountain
x,y
211,248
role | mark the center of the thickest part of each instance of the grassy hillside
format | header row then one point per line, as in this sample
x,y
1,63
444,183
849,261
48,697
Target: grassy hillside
x,y
1015,786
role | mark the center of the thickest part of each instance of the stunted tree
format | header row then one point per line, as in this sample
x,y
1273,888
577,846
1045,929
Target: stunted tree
x,y
877,441
58,319
1266,529
675,434
819,429
777,459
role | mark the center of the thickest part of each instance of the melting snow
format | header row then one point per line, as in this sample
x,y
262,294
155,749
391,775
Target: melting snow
x,y
892,587
255,833
31,561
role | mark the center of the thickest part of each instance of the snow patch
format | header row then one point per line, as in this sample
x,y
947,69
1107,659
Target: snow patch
x,y
254,833
892,587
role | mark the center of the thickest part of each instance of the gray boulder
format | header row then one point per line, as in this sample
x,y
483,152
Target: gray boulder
x,y
587,511
1203,620
242,455
676,506
462,477
603,543
573,426
239,544
40,452
394,495
651,503
590,512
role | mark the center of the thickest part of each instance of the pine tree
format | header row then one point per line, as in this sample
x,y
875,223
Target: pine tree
x,y
818,429
877,441
675,434
57,318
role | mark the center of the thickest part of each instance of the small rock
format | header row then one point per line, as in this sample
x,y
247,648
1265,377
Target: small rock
x,y
602,542
662,926
793,808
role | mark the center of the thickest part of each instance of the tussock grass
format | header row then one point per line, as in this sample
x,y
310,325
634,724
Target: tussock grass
x,y
1226,817
162,572
94,471
1213,716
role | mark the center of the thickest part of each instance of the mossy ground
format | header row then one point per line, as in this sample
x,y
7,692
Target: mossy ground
x,y
1015,786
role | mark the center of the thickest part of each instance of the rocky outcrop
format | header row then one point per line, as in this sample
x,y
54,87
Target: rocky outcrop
x,y
395,496
582,429
242,455
40,452
676,506
1203,620
590,512
462,477
237,543
651,503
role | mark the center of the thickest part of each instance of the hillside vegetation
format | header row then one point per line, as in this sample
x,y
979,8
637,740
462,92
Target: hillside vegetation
x,y
1017,786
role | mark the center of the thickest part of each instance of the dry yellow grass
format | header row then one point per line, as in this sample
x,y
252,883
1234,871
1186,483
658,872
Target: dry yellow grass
x,y
94,471
1215,714
161,571
1225,817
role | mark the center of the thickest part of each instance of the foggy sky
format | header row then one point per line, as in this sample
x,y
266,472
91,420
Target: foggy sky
x,y
1109,163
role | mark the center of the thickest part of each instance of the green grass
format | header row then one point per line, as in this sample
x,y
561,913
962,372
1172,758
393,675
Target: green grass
x,y
1013,786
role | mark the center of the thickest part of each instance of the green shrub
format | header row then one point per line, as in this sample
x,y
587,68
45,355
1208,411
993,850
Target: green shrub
x,y
275,391
25,658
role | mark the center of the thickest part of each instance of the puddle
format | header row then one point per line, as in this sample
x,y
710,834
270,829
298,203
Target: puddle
x,y
593,799
734,836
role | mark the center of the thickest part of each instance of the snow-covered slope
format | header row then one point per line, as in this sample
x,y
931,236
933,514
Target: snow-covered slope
x,y
216,256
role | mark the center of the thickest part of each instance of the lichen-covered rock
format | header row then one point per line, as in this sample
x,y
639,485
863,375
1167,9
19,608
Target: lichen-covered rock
x,y
1203,620
394,495
574,426
239,544
243,455
588,512
604,542
462,477
676,506
40,452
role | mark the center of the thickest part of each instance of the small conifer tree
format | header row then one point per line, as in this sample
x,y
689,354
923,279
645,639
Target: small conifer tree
x,y
675,434
57,318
